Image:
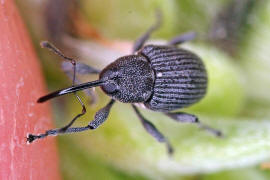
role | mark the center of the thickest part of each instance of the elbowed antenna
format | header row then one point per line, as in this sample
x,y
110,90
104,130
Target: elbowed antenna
x,y
72,89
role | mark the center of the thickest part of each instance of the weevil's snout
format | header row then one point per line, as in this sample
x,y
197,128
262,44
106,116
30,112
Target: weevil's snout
x,y
129,79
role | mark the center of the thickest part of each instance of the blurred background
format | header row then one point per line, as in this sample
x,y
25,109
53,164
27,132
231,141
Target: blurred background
x,y
233,40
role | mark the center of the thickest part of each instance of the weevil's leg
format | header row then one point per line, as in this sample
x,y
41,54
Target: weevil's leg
x,y
101,115
141,40
189,36
189,118
100,118
81,68
151,129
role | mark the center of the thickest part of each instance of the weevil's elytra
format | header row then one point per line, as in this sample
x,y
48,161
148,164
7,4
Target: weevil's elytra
x,y
160,78
181,78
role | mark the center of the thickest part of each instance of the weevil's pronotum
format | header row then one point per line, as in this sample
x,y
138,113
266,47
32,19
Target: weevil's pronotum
x,y
161,78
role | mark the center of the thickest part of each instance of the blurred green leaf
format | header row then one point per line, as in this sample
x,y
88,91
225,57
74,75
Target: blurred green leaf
x,y
255,54
77,164
239,174
128,19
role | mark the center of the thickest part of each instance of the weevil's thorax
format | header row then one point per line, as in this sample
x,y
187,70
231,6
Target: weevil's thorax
x,y
129,79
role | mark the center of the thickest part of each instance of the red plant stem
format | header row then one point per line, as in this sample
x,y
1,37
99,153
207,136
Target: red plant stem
x,y
21,83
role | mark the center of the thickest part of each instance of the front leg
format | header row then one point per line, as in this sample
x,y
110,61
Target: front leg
x,y
153,131
189,118
100,118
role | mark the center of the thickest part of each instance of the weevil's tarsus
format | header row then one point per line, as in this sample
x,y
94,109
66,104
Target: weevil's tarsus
x,y
189,36
56,132
190,118
100,118
141,40
214,131
153,131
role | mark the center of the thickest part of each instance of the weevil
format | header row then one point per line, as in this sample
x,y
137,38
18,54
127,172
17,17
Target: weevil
x,y
161,78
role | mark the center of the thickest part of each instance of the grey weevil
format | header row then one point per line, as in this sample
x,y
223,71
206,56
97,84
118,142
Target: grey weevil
x,y
161,78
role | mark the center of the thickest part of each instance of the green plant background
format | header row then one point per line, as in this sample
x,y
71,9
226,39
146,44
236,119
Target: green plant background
x,y
237,102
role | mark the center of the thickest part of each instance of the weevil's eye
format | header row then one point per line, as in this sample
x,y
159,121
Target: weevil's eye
x,y
110,88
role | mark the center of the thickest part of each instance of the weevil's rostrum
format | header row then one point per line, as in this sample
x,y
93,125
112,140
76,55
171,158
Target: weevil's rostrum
x,y
163,78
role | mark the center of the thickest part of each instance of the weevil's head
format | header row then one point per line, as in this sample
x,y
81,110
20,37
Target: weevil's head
x,y
129,79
